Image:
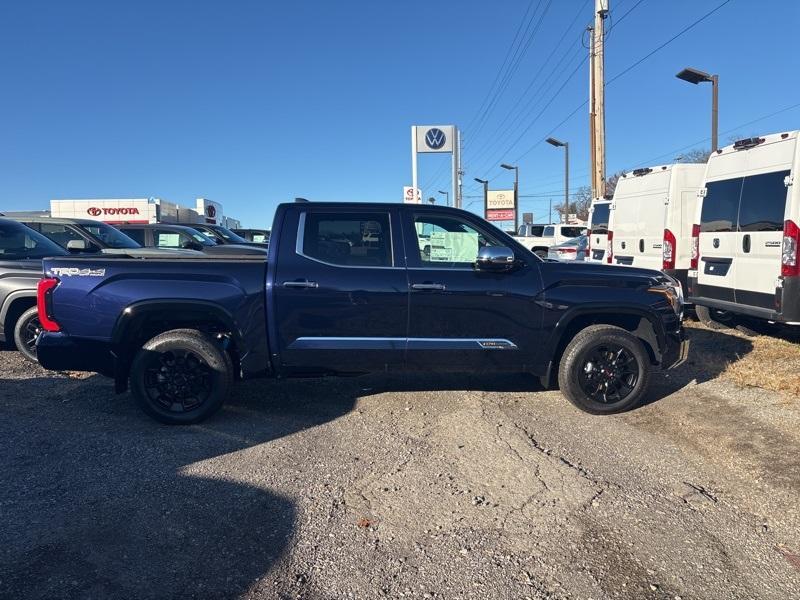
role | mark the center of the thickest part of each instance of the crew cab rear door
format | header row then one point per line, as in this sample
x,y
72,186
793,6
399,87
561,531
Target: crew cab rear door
x,y
462,319
340,290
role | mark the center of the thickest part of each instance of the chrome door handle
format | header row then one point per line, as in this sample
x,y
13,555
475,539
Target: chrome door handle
x,y
305,283
427,286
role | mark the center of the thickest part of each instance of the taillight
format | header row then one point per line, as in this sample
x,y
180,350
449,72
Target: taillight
x,y
610,247
668,250
695,247
44,303
790,262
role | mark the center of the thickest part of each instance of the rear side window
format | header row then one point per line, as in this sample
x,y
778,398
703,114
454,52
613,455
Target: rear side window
x,y
537,230
60,234
360,239
721,205
600,215
763,202
571,232
19,242
136,235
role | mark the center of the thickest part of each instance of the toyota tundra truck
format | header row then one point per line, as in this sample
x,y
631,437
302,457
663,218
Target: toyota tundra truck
x,y
348,289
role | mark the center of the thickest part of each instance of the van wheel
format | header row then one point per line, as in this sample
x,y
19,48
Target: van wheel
x,y
26,331
713,318
604,370
181,376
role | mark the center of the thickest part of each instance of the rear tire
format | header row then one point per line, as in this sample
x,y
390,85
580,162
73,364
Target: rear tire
x,y
604,370
714,318
181,376
26,331
541,254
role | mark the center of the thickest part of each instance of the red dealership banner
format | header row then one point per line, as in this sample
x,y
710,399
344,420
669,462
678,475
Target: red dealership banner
x,y
499,215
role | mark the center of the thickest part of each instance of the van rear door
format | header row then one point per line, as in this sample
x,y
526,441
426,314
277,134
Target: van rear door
x,y
598,228
718,221
639,212
762,211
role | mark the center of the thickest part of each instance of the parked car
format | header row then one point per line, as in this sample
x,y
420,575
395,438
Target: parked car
x,y
651,218
21,254
258,236
80,235
597,230
746,234
575,249
220,234
551,235
346,293
167,235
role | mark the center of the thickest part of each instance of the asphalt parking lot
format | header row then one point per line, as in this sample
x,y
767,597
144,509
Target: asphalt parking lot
x,y
436,487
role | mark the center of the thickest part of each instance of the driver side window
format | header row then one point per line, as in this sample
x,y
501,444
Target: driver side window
x,y
448,242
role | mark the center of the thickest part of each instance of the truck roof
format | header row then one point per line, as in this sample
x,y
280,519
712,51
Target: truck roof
x,y
56,220
373,206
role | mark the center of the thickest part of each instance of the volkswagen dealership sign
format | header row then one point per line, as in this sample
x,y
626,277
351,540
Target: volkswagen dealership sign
x,y
435,138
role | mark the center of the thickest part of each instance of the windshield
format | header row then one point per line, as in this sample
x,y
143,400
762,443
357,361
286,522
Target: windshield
x,y
228,235
600,214
18,241
111,237
200,237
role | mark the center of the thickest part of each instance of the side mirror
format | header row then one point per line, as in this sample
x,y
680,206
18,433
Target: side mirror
x,y
495,258
77,246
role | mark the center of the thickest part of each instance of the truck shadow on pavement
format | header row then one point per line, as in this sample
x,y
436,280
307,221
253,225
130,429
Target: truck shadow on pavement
x,y
710,353
97,500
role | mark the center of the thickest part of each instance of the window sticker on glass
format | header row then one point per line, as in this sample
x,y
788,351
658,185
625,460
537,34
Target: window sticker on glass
x,y
447,246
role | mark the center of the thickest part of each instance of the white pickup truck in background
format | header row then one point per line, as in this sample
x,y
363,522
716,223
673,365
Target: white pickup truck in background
x,y
539,238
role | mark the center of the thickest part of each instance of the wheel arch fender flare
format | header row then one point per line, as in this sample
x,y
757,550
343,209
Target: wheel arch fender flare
x,y
641,321
178,310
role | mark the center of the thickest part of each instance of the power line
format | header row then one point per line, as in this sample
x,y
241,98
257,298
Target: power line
x,y
669,41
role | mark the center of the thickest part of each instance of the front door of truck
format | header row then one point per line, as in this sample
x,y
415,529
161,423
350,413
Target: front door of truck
x,y
340,290
463,319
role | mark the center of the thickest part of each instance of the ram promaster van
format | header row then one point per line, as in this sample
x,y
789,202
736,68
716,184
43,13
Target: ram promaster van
x,y
651,218
598,230
747,235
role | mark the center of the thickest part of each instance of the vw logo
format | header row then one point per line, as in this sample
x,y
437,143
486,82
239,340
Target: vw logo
x,y
435,138
94,211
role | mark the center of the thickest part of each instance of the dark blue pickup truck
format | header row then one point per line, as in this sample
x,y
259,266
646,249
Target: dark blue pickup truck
x,y
355,288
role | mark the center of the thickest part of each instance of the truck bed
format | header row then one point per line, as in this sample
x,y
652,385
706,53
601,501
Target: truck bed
x,y
99,298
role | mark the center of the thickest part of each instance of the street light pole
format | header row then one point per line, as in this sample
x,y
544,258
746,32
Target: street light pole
x,y
695,76
485,183
447,197
516,192
565,145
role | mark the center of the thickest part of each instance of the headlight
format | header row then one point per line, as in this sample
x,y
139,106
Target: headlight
x,y
672,293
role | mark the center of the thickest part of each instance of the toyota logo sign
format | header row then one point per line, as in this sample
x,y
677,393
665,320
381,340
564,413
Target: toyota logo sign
x,y
123,210
211,212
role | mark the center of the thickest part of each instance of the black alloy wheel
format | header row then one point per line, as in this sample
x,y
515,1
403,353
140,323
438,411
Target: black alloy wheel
x,y
609,373
178,380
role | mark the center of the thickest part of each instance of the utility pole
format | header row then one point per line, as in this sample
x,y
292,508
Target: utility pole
x,y
597,48
592,149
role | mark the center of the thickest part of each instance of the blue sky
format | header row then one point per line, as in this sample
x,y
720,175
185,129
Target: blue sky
x,y
252,103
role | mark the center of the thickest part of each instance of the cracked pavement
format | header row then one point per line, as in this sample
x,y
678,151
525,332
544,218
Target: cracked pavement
x,y
432,486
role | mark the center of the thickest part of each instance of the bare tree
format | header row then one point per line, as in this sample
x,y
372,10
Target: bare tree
x,y
579,204
698,155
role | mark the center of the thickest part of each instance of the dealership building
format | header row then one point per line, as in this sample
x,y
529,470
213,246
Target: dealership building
x,y
143,210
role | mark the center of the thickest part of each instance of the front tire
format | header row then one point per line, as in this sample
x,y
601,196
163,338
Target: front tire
x,y
604,370
181,377
26,331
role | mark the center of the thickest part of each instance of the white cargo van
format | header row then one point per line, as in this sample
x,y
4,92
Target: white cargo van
x,y
598,230
747,236
651,219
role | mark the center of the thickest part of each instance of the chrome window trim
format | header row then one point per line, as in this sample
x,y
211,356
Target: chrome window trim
x,y
301,230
